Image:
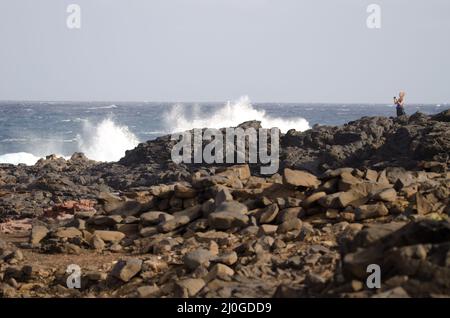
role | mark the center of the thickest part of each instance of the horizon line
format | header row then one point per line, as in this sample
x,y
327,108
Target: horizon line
x,y
210,102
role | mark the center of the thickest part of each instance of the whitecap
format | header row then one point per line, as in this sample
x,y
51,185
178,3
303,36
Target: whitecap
x,y
14,140
156,132
104,107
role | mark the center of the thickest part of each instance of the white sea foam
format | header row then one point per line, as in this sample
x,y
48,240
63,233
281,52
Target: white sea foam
x,y
104,107
14,140
19,157
156,132
179,118
105,141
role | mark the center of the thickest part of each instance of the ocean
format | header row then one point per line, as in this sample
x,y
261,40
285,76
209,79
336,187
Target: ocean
x,y
104,130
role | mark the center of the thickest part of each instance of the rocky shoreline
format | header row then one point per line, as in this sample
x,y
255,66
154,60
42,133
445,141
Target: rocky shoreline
x,y
374,191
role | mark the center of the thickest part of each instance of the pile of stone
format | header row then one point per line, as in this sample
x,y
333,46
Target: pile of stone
x,y
228,233
232,199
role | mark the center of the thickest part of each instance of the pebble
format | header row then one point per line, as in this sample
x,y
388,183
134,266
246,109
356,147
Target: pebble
x,y
197,258
189,287
126,270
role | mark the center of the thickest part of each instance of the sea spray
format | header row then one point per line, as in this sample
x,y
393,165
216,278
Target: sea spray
x,y
179,119
106,141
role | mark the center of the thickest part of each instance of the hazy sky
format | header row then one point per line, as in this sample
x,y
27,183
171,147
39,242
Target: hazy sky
x,y
217,50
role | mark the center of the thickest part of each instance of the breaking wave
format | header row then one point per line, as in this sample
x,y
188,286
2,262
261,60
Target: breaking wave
x,y
106,141
179,118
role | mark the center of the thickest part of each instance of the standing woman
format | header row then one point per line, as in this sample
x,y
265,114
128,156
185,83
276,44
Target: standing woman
x,y
399,102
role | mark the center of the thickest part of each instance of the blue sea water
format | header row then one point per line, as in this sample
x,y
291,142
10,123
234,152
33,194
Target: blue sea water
x,y
104,130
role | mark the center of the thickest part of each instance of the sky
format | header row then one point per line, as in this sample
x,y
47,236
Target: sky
x,y
218,50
